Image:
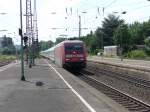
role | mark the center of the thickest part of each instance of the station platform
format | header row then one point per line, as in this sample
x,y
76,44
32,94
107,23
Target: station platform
x,y
61,91
140,64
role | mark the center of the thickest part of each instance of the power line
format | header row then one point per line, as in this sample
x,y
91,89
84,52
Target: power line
x,y
140,7
110,3
131,4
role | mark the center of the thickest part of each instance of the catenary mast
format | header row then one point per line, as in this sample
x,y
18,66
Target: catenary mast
x,y
35,29
29,32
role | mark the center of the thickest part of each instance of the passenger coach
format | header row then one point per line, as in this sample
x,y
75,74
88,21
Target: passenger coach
x,y
70,53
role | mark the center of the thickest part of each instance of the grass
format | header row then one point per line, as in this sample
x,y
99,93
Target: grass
x,y
7,58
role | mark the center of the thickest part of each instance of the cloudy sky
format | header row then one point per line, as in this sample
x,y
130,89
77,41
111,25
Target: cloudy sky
x,y
65,19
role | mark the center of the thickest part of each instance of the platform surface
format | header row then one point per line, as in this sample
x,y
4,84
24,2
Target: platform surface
x,y
61,92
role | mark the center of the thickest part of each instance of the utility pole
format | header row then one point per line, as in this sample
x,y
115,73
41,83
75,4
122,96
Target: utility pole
x,y
102,39
21,34
79,26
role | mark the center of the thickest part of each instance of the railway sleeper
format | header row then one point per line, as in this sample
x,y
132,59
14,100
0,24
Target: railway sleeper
x,y
127,104
147,110
135,107
123,100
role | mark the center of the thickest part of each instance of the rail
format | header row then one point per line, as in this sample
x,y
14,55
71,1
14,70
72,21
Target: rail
x,y
129,102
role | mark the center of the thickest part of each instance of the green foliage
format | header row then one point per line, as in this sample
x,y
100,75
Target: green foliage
x,y
122,38
139,32
91,43
136,31
109,26
99,38
146,29
7,58
147,43
45,45
7,42
114,31
8,51
8,47
60,39
137,54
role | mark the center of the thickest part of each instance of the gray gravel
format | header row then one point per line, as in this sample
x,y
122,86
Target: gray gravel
x,y
122,85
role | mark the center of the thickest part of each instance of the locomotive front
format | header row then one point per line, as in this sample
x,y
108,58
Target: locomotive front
x,y
75,55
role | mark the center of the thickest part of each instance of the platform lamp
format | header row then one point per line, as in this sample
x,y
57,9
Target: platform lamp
x,y
124,12
121,44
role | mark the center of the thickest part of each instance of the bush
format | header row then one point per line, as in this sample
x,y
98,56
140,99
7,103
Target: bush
x,y
147,48
147,51
7,58
137,54
8,51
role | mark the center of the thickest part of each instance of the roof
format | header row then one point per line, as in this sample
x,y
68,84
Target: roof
x,y
72,41
110,46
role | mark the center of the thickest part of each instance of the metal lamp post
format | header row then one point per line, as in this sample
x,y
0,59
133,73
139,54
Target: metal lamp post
x,y
80,23
22,53
124,12
121,44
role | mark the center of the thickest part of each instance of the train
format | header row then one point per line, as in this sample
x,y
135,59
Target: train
x,y
69,53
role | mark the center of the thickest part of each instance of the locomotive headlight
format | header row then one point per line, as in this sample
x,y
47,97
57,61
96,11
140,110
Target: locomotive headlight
x,y
67,59
68,56
81,59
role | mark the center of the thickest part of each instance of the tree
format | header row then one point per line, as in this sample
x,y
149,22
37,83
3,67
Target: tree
x,y
90,42
45,45
99,38
8,51
109,26
59,39
146,29
147,43
136,31
139,32
122,38
7,45
7,42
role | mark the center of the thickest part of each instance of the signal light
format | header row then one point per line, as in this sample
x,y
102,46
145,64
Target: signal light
x,y
25,39
20,32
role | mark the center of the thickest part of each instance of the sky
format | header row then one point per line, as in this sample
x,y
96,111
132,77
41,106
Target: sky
x,y
64,16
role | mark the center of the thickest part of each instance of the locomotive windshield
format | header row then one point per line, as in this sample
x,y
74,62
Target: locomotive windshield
x,y
74,47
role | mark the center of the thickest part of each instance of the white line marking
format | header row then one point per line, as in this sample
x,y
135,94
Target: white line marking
x,y
74,91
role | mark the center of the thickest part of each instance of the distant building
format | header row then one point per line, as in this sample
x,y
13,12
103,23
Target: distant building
x,y
110,50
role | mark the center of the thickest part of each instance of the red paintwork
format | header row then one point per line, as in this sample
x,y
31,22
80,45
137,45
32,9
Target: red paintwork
x,y
59,54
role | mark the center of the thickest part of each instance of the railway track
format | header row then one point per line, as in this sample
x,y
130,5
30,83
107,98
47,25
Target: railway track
x,y
134,81
139,82
122,66
132,104
4,63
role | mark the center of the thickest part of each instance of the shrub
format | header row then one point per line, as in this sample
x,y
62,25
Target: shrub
x,y
147,43
6,58
137,54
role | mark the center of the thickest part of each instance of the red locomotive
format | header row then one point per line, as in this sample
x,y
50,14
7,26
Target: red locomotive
x,y
70,53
